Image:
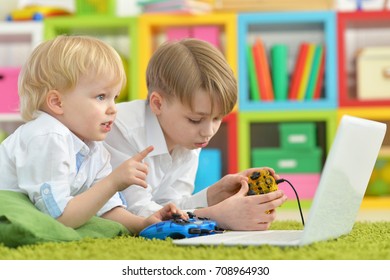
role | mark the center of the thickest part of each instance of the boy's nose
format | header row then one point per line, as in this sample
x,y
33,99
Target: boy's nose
x,y
207,130
112,109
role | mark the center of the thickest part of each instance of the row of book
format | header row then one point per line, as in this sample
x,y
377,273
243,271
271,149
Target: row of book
x,y
176,6
270,80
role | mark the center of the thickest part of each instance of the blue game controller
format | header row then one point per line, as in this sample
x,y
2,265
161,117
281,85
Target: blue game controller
x,y
178,228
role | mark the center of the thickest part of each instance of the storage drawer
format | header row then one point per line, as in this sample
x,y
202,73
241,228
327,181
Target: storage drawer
x,y
9,99
288,161
297,135
305,184
373,73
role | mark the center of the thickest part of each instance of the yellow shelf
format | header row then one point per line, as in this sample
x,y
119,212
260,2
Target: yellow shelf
x,y
369,202
376,202
152,27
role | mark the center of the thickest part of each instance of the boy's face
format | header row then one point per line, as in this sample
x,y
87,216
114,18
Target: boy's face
x,y
188,128
89,109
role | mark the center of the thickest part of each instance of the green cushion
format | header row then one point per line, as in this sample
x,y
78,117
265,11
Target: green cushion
x,y
21,223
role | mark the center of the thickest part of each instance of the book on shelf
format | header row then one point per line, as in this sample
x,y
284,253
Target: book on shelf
x,y
307,68
254,93
175,6
279,58
262,70
320,76
296,75
315,68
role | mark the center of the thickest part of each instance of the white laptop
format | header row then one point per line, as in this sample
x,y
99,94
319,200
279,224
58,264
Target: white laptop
x,y
340,192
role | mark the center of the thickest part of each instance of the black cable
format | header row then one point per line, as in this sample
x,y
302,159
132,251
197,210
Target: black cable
x,y
296,194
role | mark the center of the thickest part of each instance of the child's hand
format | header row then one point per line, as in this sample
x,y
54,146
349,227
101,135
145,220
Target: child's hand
x,y
133,171
230,184
242,212
165,213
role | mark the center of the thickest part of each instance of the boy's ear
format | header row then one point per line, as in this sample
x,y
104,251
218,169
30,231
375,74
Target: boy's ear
x,y
54,103
155,101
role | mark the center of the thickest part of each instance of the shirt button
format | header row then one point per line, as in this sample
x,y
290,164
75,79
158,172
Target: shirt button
x,y
46,191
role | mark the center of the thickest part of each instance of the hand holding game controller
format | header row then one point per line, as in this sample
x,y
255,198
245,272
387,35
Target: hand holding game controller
x,y
261,182
178,228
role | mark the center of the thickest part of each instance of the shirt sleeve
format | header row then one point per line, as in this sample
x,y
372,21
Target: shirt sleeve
x,y
116,200
43,172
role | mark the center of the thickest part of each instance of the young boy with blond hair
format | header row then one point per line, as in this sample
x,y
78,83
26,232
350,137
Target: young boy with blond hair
x,y
67,89
191,88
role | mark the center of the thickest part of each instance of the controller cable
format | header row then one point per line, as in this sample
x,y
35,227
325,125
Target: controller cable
x,y
296,195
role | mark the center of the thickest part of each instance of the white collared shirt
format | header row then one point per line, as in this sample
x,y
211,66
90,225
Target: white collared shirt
x,y
40,160
171,177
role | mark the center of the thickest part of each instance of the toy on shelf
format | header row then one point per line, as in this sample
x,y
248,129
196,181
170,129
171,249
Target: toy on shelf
x,y
178,228
36,12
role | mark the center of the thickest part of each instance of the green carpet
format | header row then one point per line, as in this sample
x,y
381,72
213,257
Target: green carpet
x,y
367,241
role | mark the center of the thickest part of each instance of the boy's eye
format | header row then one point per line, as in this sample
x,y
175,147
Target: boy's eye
x,y
194,121
100,97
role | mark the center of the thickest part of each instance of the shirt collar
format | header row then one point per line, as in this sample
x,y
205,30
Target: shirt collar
x,y
78,144
154,133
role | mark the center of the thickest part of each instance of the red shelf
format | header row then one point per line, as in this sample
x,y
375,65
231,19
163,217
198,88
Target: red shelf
x,y
226,141
355,20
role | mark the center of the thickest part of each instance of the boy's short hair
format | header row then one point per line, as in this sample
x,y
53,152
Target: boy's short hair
x,y
58,64
178,69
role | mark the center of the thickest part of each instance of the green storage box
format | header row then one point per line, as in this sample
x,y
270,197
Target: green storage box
x,y
287,160
297,135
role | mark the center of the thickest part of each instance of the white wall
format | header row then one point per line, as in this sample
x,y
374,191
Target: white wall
x,y
6,6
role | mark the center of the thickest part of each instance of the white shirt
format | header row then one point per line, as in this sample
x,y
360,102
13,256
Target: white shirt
x,y
40,160
171,177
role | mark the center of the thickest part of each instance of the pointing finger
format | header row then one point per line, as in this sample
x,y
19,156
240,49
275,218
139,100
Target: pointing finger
x,y
141,155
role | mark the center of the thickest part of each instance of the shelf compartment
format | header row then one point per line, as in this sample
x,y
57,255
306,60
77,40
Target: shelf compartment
x,y
290,29
357,30
119,32
260,130
152,31
18,39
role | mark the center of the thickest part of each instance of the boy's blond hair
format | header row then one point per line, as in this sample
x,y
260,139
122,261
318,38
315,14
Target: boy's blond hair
x,y
59,63
178,69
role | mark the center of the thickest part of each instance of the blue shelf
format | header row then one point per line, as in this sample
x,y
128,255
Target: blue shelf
x,y
290,28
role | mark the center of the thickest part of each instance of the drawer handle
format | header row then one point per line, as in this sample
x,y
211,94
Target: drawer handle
x,y
386,72
287,163
1,77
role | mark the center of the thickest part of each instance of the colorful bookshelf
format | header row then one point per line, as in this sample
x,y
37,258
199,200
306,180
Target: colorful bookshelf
x,y
291,29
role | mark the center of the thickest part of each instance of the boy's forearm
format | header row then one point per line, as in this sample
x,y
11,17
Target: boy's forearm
x,y
84,206
135,224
